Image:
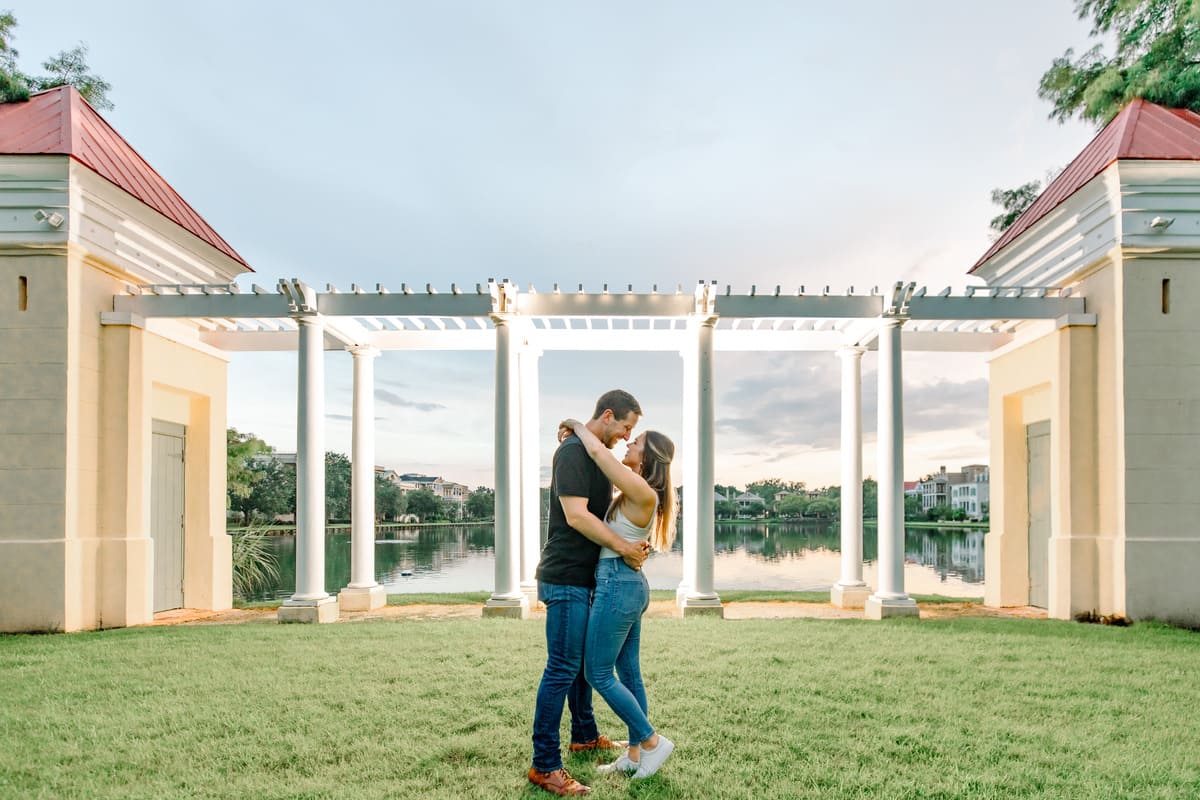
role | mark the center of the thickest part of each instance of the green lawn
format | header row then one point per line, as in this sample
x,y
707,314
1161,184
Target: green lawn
x,y
798,708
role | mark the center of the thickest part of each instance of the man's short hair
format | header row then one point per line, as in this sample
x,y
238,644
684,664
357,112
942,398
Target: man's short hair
x,y
620,401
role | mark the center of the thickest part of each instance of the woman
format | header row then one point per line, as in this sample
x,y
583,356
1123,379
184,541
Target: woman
x,y
643,509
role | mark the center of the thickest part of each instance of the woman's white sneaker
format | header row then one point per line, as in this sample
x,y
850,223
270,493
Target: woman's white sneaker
x,y
651,760
622,764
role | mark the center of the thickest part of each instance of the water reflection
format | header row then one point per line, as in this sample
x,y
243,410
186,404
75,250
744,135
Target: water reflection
x,y
801,557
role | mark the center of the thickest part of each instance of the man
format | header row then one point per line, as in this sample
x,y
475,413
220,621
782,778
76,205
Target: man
x,y
579,499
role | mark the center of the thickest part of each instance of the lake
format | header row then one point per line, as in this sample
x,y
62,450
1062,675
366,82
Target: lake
x,y
793,557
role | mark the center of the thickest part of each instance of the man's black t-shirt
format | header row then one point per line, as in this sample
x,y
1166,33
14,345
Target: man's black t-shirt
x,y
569,558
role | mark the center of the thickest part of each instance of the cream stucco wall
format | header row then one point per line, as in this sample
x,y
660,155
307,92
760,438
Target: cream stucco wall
x,y
1066,377
76,404
1161,437
33,433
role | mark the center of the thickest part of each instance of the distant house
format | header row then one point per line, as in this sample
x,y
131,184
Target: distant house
x,y
447,491
750,504
973,494
967,489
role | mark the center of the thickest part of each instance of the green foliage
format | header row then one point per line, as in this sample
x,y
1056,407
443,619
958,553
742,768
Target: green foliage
x,y
912,507
870,498
254,563
1157,58
792,506
769,487
273,491
823,508
725,509
69,67
337,486
1014,202
426,505
240,475
390,502
481,504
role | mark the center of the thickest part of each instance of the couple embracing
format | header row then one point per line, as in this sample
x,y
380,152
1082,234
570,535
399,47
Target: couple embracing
x,y
591,583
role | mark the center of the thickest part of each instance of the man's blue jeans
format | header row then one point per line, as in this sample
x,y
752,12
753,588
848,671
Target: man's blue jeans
x,y
567,610
614,636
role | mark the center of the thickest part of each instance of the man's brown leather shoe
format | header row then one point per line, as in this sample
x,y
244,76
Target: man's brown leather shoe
x,y
558,782
601,742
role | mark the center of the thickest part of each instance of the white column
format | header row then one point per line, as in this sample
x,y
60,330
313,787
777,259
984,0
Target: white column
x,y
363,593
310,603
850,591
531,489
696,594
689,475
507,599
890,600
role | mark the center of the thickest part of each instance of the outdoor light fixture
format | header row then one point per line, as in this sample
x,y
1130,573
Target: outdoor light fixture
x,y
53,218
1158,223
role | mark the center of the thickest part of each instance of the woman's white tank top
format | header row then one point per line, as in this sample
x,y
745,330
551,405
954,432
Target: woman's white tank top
x,y
621,525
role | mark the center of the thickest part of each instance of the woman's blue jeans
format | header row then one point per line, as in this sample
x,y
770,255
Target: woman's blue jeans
x,y
614,633
566,627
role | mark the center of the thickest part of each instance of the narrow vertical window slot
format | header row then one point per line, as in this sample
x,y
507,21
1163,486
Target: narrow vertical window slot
x,y
22,293
1166,296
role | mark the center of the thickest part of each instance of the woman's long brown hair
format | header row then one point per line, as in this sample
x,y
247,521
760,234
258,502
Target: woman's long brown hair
x,y
657,455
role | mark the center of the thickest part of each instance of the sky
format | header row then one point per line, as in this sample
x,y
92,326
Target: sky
x,y
848,144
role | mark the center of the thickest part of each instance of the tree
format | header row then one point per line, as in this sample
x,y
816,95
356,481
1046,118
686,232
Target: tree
x,y
793,505
240,475
425,504
1014,202
1157,58
822,508
725,509
337,486
274,492
481,503
912,507
68,68
870,498
390,502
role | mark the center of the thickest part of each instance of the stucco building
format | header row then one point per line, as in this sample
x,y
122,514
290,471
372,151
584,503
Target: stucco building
x,y
112,430
1095,423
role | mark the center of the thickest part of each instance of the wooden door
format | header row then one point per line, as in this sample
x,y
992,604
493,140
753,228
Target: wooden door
x,y
166,513
1037,437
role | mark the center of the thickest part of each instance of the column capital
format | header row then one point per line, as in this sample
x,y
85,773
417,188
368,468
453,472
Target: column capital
x,y
309,319
705,320
363,350
501,319
850,351
892,322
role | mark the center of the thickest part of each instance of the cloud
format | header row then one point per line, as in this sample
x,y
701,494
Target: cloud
x,y
794,406
393,399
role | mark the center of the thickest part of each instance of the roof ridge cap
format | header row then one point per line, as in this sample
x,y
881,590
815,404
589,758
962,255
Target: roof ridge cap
x,y
1132,113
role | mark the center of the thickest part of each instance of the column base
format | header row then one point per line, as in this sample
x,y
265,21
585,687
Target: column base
x,y
530,592
854,596
884,607
368,598
507,607
691,606
309,611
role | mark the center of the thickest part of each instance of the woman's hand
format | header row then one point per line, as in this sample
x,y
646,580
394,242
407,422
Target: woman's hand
x,y
567,427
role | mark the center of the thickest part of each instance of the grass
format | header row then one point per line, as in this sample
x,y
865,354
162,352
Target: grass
x,y
798,708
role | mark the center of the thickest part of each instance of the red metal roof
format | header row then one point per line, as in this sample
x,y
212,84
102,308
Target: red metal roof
x,y
1142,130
60,122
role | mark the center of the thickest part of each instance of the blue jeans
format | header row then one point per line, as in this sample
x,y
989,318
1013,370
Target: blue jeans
x,y
614,635
566,628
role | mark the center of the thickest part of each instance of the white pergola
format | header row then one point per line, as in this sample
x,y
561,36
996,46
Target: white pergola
x,y
520,325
